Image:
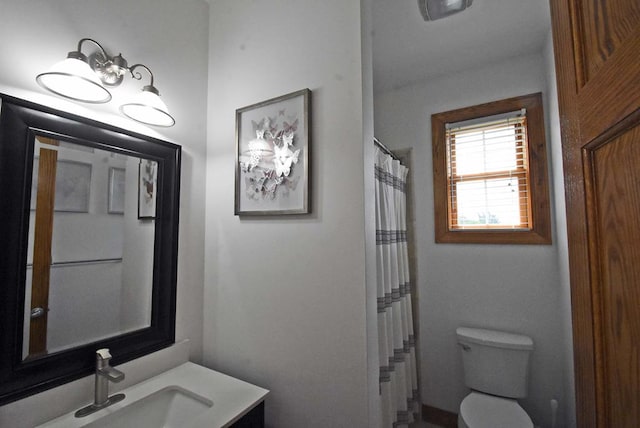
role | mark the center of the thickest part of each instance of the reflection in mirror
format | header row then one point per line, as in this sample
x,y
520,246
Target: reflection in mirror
x,y
91,240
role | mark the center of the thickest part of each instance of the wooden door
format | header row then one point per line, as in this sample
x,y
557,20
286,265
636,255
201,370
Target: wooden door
x,y
597,53
43,235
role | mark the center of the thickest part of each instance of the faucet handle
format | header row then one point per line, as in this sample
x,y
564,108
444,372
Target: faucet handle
x,y
103,354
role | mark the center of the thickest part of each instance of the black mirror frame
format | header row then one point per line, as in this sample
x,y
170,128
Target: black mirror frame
x,y
20,122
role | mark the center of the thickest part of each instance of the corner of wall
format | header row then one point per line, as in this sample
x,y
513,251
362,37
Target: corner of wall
x,y
568,408
373,363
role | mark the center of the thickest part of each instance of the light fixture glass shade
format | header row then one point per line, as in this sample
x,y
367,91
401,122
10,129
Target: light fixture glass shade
x,y
438,9
74,79
147,107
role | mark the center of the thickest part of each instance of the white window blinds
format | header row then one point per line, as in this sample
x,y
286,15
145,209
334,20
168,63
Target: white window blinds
x,y
488,174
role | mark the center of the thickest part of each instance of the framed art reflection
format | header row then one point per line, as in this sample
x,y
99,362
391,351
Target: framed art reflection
x,y
116,190
147,188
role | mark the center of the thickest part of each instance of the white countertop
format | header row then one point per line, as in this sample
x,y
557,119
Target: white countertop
x,y
232,398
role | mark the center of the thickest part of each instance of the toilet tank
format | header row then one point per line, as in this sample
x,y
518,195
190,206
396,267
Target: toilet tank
x,y
495,362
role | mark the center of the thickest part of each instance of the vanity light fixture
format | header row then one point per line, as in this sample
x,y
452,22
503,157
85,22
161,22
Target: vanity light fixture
x,y
437,9
83,78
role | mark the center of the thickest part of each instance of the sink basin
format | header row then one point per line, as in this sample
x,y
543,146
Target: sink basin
x,y
170,407
187,396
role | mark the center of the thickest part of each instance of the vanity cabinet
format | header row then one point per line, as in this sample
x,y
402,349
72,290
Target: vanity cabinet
x,y
253,419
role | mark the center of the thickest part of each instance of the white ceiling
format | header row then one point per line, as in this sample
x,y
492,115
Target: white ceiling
x,y
406,49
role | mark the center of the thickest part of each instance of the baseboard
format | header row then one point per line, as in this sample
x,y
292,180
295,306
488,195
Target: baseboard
x,y
440,417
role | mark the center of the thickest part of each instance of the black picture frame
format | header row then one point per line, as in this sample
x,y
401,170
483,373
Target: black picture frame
x,y
20,122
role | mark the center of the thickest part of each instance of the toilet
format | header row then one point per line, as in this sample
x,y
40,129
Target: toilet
x,y
496,368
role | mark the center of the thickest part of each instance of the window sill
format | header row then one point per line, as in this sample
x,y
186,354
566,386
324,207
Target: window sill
x,y
468,236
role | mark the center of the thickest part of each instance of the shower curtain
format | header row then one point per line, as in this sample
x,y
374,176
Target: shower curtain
x,y
398,376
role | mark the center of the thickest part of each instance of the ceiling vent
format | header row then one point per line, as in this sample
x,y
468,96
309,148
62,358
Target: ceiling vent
x,y
437,9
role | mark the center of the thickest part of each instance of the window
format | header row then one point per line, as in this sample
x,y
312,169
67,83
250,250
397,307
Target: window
x,y
487,173
490,173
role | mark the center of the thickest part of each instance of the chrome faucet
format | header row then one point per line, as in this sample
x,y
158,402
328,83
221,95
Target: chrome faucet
x,y
104,374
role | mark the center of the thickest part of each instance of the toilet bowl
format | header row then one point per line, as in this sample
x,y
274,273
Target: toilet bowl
x,y
496,369
479,410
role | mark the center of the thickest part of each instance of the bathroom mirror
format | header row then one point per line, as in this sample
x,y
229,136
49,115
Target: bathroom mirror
x,y
89,221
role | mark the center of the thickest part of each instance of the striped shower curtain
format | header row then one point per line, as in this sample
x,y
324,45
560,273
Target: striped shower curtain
x,y
398,376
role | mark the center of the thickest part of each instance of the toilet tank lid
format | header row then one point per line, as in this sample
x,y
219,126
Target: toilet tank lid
x,y
494,338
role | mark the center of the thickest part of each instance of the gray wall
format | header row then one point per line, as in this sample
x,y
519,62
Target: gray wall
x,y
506,287
285,297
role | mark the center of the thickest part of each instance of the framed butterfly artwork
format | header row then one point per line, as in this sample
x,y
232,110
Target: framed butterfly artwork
x,y
273,140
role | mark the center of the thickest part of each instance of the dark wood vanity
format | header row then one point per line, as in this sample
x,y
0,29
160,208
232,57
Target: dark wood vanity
x,y
253,419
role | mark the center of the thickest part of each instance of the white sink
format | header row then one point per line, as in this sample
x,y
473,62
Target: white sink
x,y
170,407
187,396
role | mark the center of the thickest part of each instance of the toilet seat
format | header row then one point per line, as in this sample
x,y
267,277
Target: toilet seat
x,y
479,410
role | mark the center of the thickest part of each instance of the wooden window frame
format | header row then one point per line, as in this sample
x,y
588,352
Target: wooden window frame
x,y
539,205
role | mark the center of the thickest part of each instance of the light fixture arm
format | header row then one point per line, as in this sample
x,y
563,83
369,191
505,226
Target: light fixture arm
x,y
86,39
138,76
110,69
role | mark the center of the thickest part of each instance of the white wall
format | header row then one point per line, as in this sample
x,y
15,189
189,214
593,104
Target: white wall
x,y
513,288
285,298
172,39
555,145
371,272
